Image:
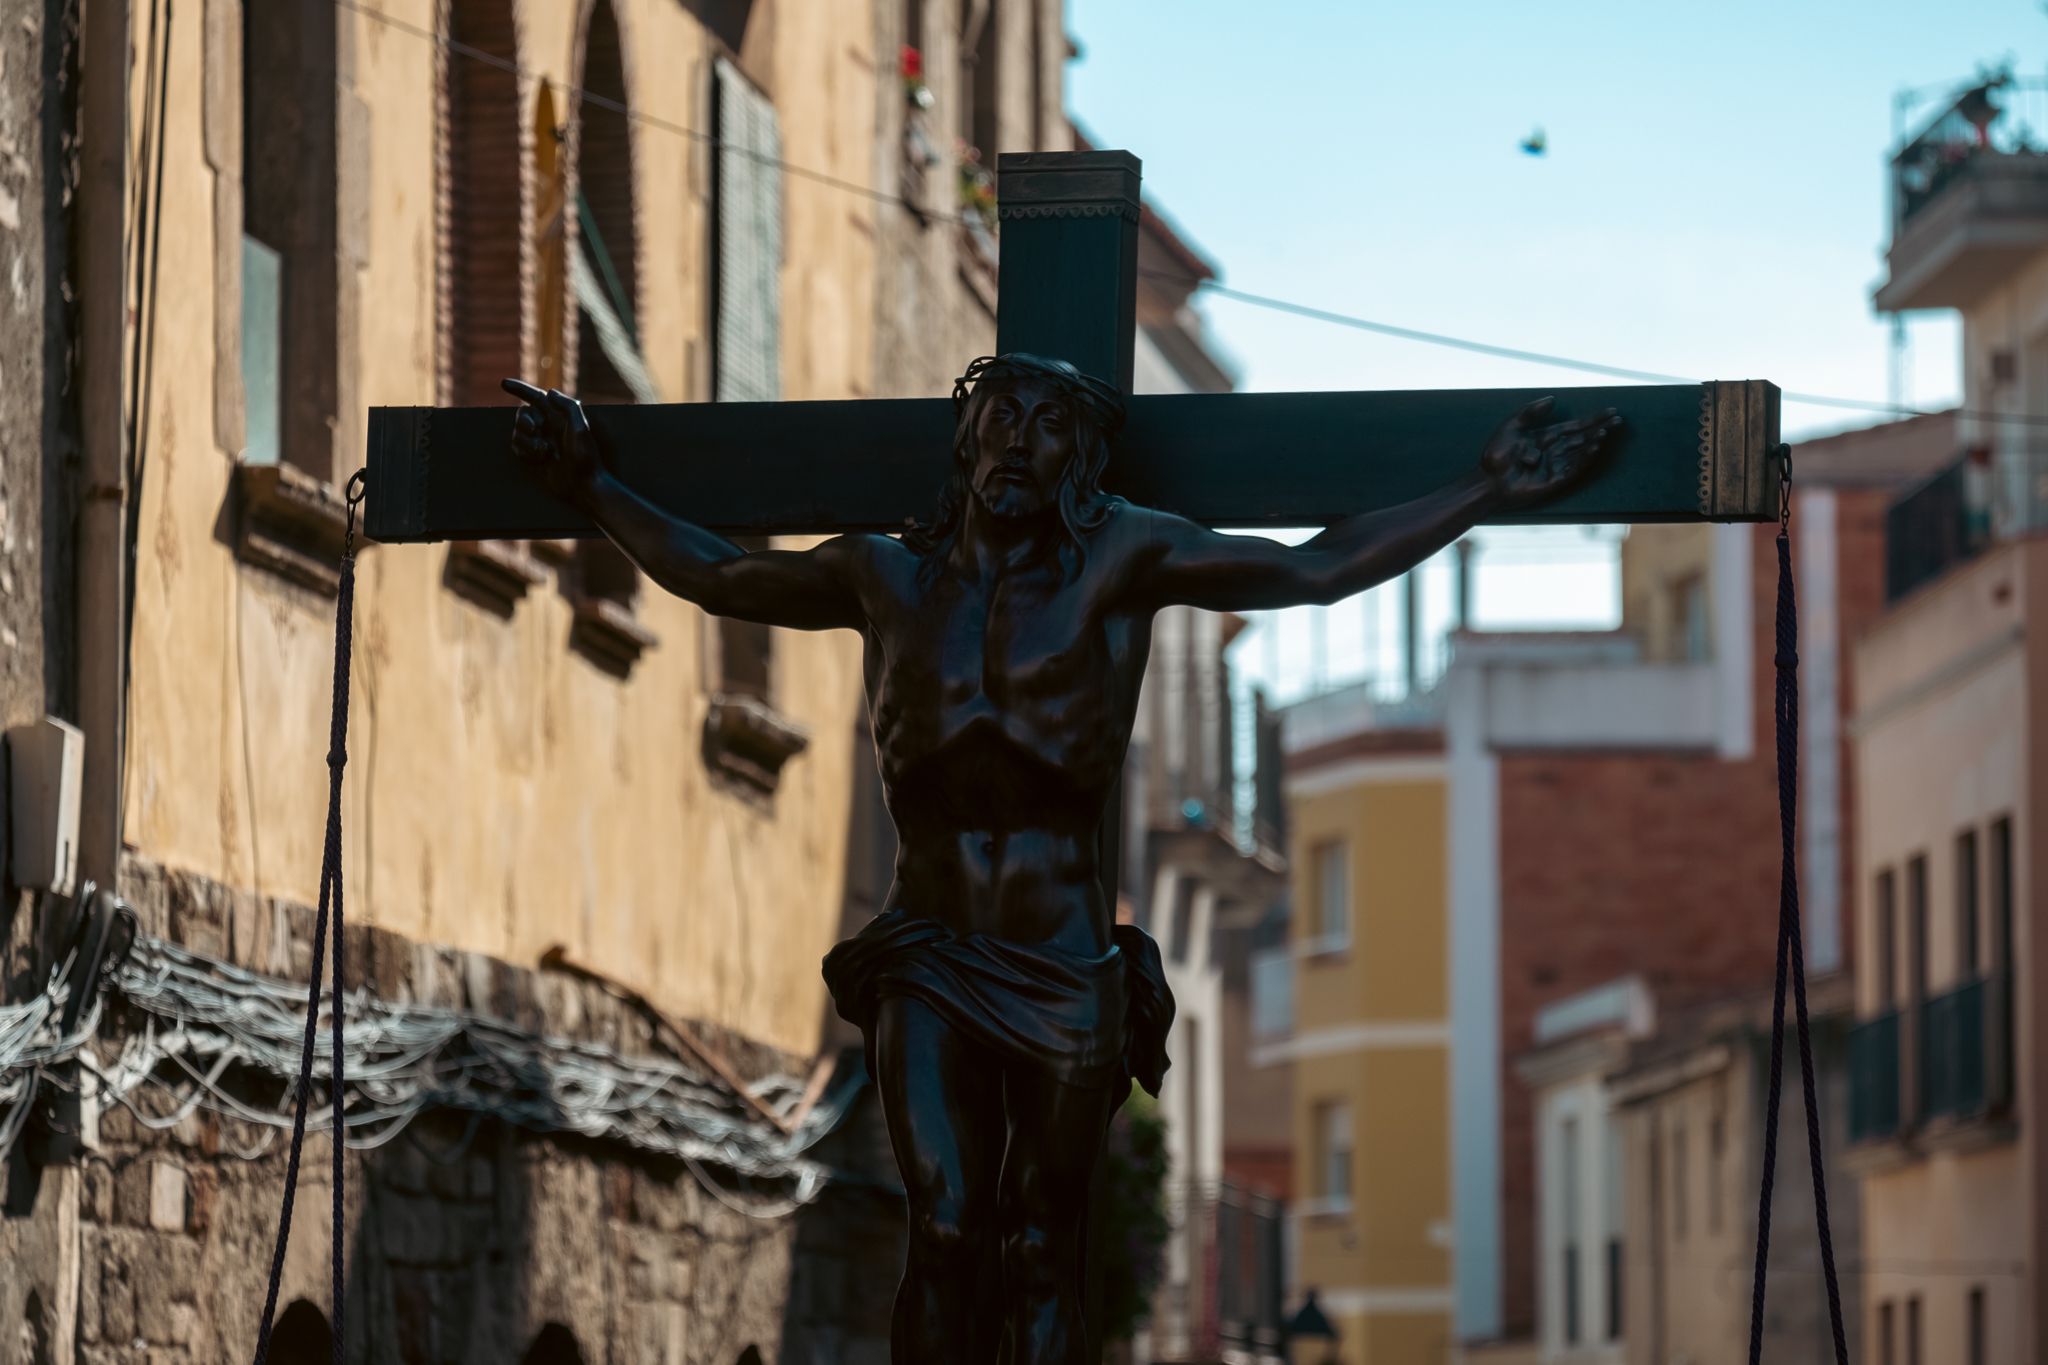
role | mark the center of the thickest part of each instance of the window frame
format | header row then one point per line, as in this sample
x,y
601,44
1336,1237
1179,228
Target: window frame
x,y
1323,854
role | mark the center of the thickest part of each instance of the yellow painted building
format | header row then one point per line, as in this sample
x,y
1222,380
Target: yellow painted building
x,y
528,729
1370,1045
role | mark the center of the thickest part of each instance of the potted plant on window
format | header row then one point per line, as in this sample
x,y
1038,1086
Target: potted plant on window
x,y
910,65
977,188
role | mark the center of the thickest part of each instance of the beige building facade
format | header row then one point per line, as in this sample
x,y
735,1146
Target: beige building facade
x,y
510,790
1946,1109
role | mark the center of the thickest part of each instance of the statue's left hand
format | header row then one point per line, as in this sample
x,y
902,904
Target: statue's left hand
x,y
1529,461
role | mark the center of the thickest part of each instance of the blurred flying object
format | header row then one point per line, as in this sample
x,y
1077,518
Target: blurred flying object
x,y
1535,144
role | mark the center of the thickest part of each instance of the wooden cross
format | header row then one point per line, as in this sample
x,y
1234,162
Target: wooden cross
x,y
1068,288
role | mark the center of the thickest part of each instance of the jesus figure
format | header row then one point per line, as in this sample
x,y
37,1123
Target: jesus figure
x,y
1005,1012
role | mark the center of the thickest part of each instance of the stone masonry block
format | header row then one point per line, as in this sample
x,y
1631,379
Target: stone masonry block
x,y
167,1194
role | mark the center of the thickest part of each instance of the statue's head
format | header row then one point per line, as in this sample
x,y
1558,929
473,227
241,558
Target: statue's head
x,y
1031,437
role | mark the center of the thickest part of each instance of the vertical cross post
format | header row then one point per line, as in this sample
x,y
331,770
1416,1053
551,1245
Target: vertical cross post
x,y
1069,270
1068,288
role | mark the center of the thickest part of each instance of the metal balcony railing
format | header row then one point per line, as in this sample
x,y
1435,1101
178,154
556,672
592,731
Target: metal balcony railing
x,y
1874,1078
2002,116
1224,1276
1952,1069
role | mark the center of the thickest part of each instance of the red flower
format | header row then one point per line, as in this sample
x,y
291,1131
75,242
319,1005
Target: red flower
x,y
912,63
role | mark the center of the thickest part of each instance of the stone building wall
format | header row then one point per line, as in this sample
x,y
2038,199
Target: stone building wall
x,y
38,443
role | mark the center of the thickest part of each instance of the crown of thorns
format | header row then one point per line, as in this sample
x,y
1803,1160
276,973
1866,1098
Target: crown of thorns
x,y
1101,400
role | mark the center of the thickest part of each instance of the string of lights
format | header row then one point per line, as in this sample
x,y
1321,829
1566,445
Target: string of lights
x,y
202,1023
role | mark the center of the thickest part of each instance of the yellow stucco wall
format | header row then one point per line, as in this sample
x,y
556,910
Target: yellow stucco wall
x,y
1396,967
1393,976
503,794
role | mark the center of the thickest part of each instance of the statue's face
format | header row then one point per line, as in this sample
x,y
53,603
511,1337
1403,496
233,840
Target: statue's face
x,y
1023,441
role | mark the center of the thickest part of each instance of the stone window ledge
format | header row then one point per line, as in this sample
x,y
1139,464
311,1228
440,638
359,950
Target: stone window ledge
x,y
747,742
552,551
292,524
608,633
494,574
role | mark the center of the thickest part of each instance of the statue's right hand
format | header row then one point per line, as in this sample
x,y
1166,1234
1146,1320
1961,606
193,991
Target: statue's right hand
x,y
554,442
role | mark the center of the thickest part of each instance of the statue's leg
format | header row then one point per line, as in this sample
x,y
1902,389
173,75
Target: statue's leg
x,y
1056,1134
943,1102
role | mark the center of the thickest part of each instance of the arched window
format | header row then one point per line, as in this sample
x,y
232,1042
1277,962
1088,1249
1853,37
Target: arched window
x,y
556,1345
301,1337
482,208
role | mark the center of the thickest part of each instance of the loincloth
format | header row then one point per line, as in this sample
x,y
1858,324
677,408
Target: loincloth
x,y
1089,1021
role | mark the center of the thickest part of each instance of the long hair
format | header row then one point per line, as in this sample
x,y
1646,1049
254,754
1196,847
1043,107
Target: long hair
x,y
1097,411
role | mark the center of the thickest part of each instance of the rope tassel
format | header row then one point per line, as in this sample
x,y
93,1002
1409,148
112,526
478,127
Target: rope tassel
x,y
1791,958
330,884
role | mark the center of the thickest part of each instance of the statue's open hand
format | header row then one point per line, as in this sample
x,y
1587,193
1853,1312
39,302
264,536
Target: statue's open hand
x,y
554,442
1531,461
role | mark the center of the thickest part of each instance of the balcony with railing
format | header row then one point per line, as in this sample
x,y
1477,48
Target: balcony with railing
x,y
1929,530
1221,1295
1952,1073
1960,1064
1874,1110
1969,194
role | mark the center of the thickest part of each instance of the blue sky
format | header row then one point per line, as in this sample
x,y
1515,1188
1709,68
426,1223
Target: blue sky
x,y
1712,202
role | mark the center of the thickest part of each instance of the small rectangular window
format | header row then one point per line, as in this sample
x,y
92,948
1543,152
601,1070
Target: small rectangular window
x,y
1887,945
1679,1176
1333,1153
1272,994
1916,925
1887,1345
1717,1138
262,348
1969,960
1570,1198
1331,862
1913,1330
1977,1347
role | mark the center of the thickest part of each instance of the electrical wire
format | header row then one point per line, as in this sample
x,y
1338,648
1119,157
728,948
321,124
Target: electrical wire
x,y
203,1020
1208,286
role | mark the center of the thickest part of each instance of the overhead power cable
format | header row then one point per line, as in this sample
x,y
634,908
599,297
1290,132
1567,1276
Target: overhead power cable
x,y
580,95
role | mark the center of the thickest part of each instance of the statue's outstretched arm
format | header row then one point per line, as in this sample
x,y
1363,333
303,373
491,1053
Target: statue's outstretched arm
x,y
813,589
1525,464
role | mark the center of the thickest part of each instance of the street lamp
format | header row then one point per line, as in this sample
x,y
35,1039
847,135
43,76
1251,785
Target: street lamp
x,y
1311,1323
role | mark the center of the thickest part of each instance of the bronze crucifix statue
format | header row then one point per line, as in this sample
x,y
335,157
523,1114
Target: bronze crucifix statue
x,y
1006,631
1005,1012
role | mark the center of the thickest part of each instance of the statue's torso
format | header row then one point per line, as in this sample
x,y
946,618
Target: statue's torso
x,y
1001,714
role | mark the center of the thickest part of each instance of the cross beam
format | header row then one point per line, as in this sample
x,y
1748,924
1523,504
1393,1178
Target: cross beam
x,y
1691,452
1068,286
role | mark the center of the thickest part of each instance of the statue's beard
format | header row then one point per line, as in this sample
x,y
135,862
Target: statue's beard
x,y
1011,499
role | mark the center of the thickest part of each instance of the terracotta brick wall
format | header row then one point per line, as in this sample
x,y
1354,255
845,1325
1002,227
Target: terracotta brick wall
x,y
1659,863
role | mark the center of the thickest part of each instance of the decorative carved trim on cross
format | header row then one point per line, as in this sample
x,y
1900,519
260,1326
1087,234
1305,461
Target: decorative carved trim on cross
x,y
1069,185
